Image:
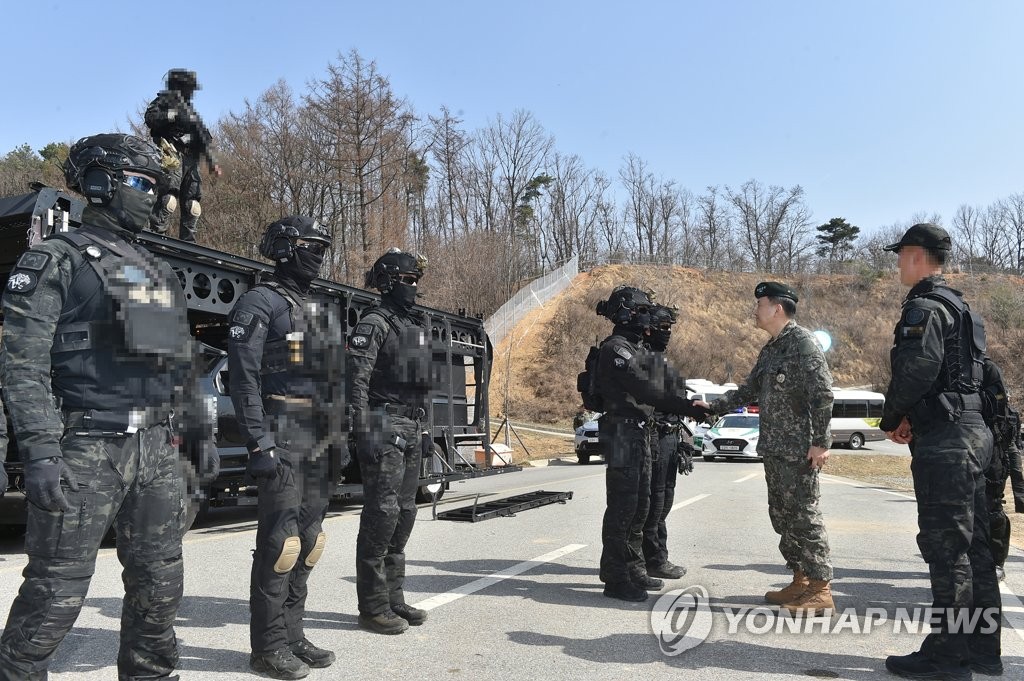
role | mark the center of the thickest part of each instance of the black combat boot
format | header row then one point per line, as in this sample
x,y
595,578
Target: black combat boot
x,y
310,654
645,581
917,665
413,616
989,665
386,622
666,570
279,664
625,591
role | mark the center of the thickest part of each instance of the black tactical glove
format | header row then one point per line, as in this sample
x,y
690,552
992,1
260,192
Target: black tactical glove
x,y
685,458
262,465
42,483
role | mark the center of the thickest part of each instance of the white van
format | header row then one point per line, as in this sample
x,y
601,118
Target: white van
x,y
855,417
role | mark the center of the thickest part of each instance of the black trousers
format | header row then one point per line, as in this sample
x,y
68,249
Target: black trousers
x,y
948,466
291,505
628,489
390,462
664,468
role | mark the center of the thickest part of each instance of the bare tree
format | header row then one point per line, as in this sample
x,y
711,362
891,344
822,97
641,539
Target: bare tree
x,y
774,224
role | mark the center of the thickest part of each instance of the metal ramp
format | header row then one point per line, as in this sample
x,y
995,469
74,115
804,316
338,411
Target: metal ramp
x,y
508,506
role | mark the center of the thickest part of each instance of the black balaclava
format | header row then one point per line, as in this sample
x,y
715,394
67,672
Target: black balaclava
x,y
401,294
659,338
300,269
128,210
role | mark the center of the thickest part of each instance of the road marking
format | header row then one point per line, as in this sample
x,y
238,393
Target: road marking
x,y
689,501
484,582
748,477
831,479
1013,610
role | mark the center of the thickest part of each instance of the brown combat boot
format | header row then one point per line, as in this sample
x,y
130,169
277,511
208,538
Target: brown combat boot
x,y
817,597
791,592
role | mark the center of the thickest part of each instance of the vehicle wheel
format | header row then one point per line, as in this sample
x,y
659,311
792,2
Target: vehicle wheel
x,y
424,495
856,441
584,459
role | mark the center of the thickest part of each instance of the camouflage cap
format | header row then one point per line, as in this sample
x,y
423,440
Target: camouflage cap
x,y
775,289
924,234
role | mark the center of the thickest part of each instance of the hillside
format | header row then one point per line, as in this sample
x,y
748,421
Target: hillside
x,y
716,337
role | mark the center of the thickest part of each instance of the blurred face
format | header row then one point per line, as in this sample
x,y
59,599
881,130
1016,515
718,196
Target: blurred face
x,y
909,260
765,313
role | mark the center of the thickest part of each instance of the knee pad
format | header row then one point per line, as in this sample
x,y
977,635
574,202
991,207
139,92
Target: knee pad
x,y
317,550
289,555
170,203
194,209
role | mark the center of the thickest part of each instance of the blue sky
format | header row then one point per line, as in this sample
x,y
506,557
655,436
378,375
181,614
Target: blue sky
x,y
879,109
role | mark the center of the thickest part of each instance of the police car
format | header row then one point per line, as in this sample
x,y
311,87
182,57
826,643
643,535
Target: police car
x,y
733,436
586,442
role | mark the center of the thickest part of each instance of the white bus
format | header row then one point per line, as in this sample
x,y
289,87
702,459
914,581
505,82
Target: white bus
x,y
855,417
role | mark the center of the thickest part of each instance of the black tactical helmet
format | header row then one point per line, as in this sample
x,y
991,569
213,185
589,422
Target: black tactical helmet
x,y
278,242
625,303
384,273
663,316
182,80
95,165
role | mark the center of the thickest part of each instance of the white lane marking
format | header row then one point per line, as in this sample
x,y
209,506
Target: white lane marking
x,y
747,477
837,481
687,502
484,582
1013,610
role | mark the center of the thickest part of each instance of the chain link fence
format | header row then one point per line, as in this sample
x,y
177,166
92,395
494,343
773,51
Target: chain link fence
x,y
534,294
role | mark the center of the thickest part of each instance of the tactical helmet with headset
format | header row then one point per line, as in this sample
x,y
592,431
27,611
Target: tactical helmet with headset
x,y
280,238
389,267
628,306
183,81
96,166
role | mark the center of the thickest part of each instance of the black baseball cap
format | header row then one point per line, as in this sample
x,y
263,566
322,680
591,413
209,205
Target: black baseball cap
x,y
926,235
775,289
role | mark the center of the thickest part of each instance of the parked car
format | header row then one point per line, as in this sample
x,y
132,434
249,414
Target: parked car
x,y
586,441
734,436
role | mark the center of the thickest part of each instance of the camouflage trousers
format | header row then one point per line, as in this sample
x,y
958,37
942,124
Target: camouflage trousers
x,y
390,471
293,504
663,493
135,484
793,496
186,186
948,466
628,491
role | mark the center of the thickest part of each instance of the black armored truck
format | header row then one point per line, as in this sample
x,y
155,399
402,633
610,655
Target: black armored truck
x,y
457,417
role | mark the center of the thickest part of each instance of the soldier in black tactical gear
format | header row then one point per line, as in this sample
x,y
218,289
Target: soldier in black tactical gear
x,y
178,130
1004,422
389,360
273,402
669,454
3,447
633,382
97,326
933,404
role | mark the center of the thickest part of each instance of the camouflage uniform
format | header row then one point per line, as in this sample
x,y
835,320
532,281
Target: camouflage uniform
x,y
665,442
388,370
951,449
70,384
792,384
3,446
1004,421
633,382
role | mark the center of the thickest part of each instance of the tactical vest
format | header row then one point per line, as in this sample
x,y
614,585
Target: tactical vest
x,y
122,338
283,367
403,361
964,346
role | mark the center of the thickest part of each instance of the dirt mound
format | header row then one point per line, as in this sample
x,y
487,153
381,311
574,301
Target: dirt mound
x,y
536,364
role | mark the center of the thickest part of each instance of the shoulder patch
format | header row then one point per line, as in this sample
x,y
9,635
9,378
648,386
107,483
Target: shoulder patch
x,y
33,260
914,316
620,363
623,353
22,282
242,317
363,329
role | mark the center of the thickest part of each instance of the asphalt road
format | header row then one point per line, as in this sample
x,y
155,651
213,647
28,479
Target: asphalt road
x,y
514,598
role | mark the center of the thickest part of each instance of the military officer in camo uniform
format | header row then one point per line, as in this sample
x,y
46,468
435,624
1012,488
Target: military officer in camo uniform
x,y
792,384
